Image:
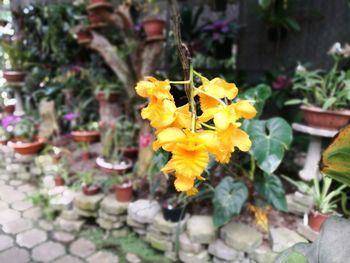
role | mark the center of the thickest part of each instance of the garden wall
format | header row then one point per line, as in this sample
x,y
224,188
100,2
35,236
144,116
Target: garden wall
x,y
322,23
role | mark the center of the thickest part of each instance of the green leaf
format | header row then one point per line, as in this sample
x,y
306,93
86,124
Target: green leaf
x,y
228,200
335,159
270,138
295,257
271,188
329,102
265,4
294,102
259,95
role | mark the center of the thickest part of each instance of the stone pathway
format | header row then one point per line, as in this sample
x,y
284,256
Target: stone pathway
x,y
26,237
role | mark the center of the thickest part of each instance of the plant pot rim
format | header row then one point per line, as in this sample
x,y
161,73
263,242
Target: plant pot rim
x,y
22,145
101,162
85,133
153,19
344,112
317,213
14,71
126,184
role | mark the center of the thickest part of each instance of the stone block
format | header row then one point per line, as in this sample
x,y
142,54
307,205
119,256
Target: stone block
x,y
131,222
143,211
263,254
70,215
111,206
201,257
168,227
85,213
219,249
283,238
159,244
108,225
295,207
307,232
69,226
200,229
85,202
188,246
241,236
121,232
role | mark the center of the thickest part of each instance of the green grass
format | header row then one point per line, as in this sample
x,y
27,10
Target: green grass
x,y
123,245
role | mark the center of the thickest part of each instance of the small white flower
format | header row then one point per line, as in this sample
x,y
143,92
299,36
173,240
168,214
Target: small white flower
x,y
336,49
300,68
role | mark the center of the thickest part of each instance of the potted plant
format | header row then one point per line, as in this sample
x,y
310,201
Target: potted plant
x,y
89,185
122,186
18,60
25,140
325,199
128,131
113,141
325,95
152,24
173,208
62,171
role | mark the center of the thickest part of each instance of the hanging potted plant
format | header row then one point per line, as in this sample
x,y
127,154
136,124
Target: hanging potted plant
x,y
325,199
25,140
152,24
18,60
113,141
325,95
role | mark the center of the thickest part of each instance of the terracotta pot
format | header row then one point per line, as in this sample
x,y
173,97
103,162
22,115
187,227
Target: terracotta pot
x,y
316,220
325,119
123,192
95,19
14,76
171,213
9,109
94,2
153,27
85,156
110,168
86,136
59,181
3,142
113,97
130,152
84,36
90,189
26,148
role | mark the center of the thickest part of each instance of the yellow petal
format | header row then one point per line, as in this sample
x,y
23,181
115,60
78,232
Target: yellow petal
x,y
168,168
207,102
167,137
220,88
244,109
193,191
222,118
183,183
241,140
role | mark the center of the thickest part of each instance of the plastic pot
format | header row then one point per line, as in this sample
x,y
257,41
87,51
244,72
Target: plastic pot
x,y
123,192
94,2
59,181
14,75
27,148
9,109
114,168
86,136
95,19
153,27
316,220
90,189
325,119
172,213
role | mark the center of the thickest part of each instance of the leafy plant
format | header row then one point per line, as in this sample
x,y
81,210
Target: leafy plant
x,y
25,130
17,55
229,198
335,159
276,14
114,139
328,90
324,198
42,200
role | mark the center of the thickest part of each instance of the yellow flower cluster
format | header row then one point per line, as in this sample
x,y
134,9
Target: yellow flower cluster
x,y
191,138
260,215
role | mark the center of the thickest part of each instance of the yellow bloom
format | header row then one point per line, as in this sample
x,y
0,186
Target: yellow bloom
x,y
207,102
260,217
154,89
245,109
183,117
219,88
161,114
183,183
234,137
167,137
192,191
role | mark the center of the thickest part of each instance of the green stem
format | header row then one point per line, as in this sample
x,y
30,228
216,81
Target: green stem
x,y
198,74
180,82
192,101
211,96
208,126
252,168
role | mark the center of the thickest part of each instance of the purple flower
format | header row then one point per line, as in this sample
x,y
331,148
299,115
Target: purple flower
x,y
281,82
71,116
9,120
221,26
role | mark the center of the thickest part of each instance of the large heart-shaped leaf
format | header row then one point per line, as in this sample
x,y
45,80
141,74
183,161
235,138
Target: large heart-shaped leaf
x,y
229,197
336,158
270,138
295,257
271,188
